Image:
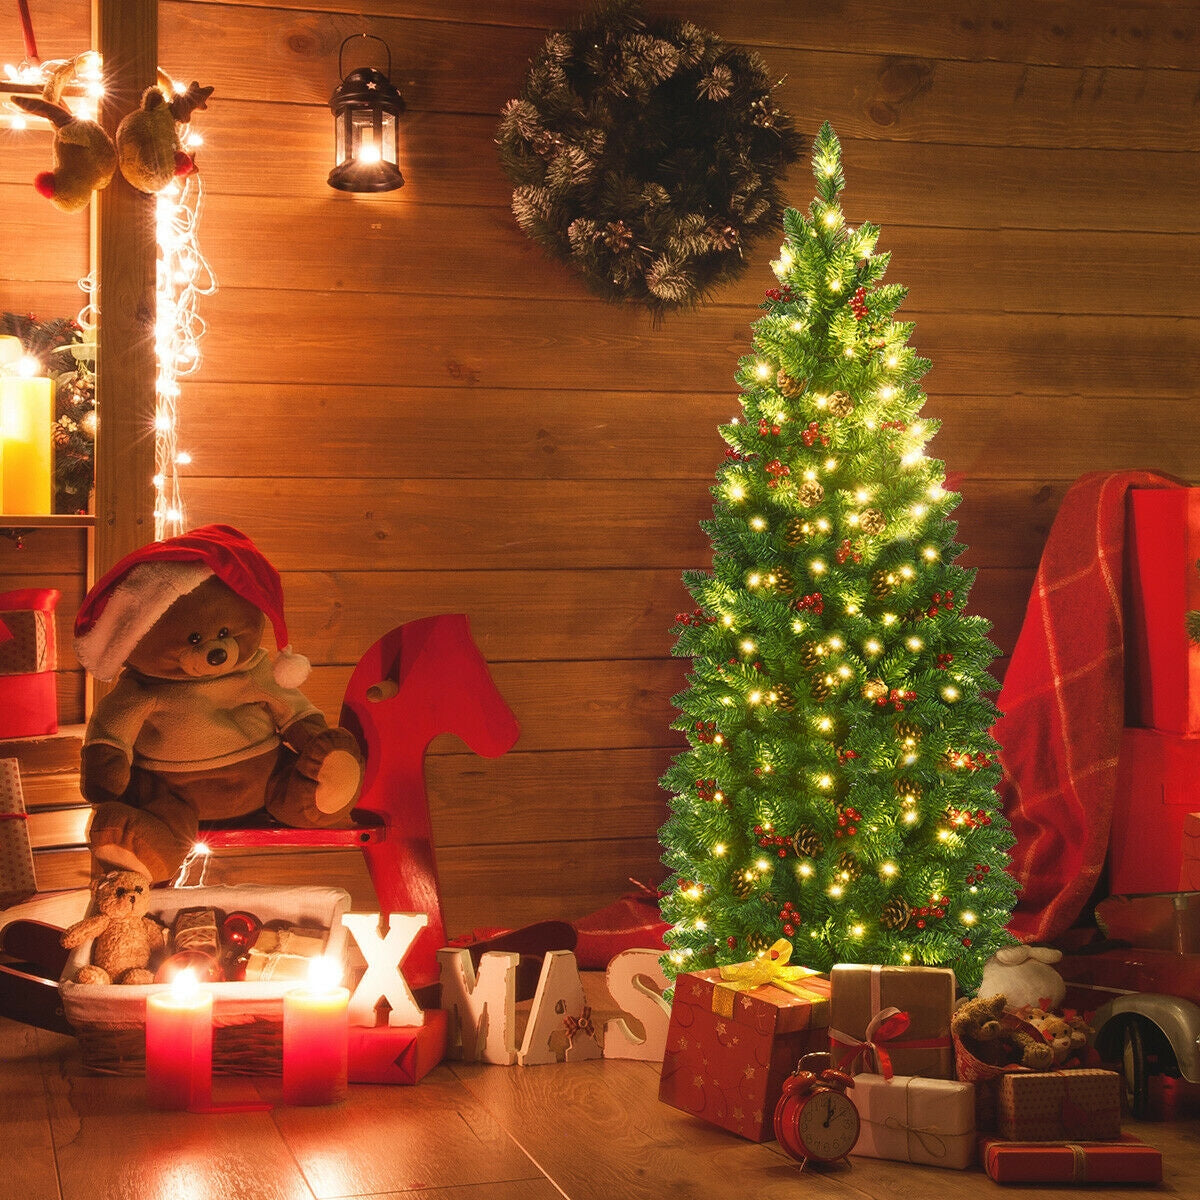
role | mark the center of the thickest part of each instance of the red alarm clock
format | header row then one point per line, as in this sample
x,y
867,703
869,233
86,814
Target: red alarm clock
x,y
815,1120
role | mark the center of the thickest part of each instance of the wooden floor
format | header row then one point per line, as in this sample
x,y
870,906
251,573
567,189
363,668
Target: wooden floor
x,y
587,1131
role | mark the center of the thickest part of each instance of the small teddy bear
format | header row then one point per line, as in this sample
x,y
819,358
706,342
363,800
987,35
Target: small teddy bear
x,y
1068,1039
148,148
126,939
978,1026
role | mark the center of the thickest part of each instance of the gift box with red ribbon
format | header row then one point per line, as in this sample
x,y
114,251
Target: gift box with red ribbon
x,y
28,659
16,858
892,1020
1058,1106
1125,1161
736,1034
910,1119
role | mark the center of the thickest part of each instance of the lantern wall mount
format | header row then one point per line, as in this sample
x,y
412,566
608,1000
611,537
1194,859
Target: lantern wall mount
x,y
366,109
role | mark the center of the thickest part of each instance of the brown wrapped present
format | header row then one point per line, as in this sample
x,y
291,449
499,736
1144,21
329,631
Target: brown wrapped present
x,y
910,1119
1059,1106
731,1046
284,952
866,1032
195,931
1125,1161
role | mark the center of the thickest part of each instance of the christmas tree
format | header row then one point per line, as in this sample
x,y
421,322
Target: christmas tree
x,y
837,790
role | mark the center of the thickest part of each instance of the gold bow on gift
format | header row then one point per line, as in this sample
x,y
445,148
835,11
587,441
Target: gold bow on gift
x,y
770,968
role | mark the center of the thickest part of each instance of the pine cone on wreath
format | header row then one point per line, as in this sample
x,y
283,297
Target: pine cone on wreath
x,y
909,791
807,843
908,731
847,867
821,688
809,655
881,584
757,943
895,914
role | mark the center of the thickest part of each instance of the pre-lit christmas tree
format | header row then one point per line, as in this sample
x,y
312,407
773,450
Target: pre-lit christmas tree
x,y
838,786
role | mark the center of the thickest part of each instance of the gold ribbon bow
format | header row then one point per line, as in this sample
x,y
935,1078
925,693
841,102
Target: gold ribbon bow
x,y
769,968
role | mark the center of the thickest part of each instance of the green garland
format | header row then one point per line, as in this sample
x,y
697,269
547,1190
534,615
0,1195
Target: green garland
x,y
648,156
58,344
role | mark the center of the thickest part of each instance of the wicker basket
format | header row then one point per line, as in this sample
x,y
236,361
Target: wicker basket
x,y
110,1021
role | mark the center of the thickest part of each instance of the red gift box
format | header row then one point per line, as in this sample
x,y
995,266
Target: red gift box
x,y
1189,867
1125,1161
1053,1106
1162,666
28,658
728,1053
1158,786
397,1053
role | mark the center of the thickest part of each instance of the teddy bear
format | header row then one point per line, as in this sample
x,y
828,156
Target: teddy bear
x,y
149,152
126,939
978,1025
201,724
84,156
1068,1039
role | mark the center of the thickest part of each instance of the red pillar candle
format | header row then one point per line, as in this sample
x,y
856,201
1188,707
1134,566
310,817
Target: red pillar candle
x,y
179,1045
316,1029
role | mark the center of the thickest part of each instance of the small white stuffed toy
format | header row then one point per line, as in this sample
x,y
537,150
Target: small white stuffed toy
x,y
1025,976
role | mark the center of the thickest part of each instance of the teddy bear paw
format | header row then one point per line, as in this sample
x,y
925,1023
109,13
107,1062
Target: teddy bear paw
x,y
337,780
93,974
136,975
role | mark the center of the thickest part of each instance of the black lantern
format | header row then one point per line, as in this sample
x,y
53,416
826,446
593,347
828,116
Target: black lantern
x,y
366,110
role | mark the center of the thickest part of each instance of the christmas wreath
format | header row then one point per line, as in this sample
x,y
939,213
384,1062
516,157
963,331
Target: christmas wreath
x,y
647,155
58,344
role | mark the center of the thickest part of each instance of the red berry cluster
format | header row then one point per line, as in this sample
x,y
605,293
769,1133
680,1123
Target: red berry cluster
x,y
940,600
896,698
767,839
731,942
935,908
790,918
964,762
813,601
979,871
781,295
706,731
696,617
707,789
765,427
944,661
813,434
967,820
898,426
858,304
845,551
847,818
777,471
845,755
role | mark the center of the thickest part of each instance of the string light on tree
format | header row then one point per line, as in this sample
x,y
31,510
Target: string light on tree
x,y
871,740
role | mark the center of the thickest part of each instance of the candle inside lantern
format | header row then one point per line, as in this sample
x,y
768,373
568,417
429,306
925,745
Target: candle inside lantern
x,y
179,1045
316,1030
25,420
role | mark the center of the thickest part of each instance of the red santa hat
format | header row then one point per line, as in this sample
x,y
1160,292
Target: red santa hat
x,y
124,605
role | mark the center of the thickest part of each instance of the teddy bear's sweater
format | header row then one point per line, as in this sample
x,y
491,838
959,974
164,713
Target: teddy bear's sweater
x,y
197,724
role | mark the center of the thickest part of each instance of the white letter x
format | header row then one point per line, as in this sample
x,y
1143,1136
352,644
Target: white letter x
x,y
384,979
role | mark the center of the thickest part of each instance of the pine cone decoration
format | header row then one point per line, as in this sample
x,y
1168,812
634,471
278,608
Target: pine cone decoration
x,y
809,655
811,492
807,842
847,867
821,688
757,943
873,689
795,531
741,884
840,404
895,914
881,584
788,386
907,731
785,698
909,791
783,579
872,521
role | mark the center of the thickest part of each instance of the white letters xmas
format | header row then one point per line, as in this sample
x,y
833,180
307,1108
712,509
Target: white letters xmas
x,y
481,1006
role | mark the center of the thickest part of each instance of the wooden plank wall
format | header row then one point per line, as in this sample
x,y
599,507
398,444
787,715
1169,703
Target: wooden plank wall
x,y
414,411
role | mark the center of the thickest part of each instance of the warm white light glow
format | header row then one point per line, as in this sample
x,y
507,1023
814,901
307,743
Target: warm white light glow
x,y
835,890
872,646
719,850
185,987
758,524
887,869
857,930
951,693
28,367
763,370
748,647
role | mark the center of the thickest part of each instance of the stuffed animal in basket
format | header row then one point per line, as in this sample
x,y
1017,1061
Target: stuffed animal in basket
x,y
1068,1039
978,1025
126,939
201,724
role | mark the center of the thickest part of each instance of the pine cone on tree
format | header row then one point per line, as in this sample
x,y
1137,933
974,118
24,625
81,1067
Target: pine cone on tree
x,y
909,791
807,842
741,883
783,579
788,386
895,914
785,698
872,521
840,404
881,584
756,942
795,531
821,688
873,689
809,655
811,492
847,867
908,731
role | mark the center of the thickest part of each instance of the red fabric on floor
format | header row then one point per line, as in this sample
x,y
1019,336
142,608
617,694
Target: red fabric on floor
x,y
1063,704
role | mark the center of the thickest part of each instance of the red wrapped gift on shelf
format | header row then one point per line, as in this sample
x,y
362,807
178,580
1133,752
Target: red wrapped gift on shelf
x,y
402,1054
733,1040
1158,787
28,659
860,994
909,1119
1162,667
1189,868
1058,1106
1125,1161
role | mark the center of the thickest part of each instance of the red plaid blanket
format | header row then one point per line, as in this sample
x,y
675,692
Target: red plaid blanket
x,y
1063,704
